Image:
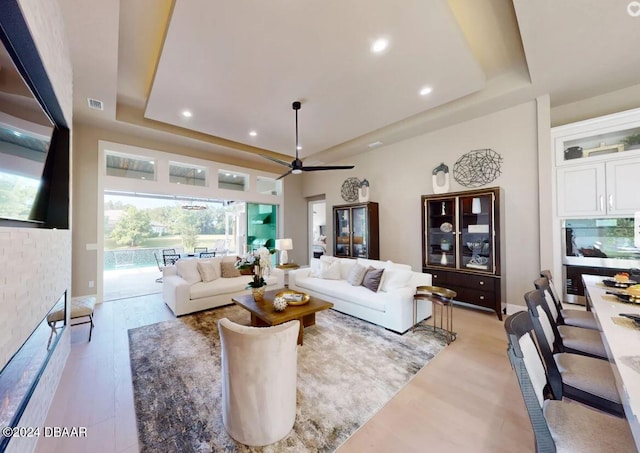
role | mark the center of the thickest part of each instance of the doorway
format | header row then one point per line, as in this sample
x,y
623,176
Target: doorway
x,y
317,227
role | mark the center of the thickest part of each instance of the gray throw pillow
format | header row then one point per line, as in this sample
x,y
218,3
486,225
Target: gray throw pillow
x,y
229,269
372,279
356,274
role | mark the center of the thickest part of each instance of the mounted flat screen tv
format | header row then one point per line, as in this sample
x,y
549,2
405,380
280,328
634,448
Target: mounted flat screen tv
x,y
25,138
34,136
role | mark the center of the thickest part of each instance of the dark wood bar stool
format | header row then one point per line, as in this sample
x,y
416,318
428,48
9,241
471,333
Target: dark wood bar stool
x,y
439,297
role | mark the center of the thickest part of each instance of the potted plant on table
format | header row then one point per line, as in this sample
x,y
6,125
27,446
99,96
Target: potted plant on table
x,y
259,261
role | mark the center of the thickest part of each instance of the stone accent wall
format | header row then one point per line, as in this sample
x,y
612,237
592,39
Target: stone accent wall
x,y
36,271
36,412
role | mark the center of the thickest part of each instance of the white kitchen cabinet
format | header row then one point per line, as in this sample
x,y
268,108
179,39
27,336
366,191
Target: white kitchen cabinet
x,y
599,188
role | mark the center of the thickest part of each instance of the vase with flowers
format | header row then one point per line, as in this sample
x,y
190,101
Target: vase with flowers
x,y
259,262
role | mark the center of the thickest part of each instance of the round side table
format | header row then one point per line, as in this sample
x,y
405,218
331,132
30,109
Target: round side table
x,y
439,297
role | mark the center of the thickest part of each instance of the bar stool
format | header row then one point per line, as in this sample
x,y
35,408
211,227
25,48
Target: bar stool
x,y
439,297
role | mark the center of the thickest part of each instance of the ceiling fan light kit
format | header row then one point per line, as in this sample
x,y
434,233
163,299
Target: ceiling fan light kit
x,y
296,166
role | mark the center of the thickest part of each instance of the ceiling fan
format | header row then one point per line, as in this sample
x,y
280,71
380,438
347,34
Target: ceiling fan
x,y
296,166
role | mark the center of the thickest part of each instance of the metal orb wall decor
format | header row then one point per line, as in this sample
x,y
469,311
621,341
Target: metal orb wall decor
x,y
477,167
349,189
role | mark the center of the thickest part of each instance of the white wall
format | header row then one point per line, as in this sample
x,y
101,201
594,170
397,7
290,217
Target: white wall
x,y
400,173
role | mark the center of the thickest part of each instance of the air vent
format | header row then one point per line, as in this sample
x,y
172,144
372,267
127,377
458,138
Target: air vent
x,y
95,104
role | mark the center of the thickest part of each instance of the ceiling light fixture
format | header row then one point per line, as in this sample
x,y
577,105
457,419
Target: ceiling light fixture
x,y
187,113
374,144
299,147
379,45
253,133
296,166
426,90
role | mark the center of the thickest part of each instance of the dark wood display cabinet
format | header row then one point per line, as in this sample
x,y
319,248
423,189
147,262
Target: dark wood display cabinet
x,y
355,231
461,245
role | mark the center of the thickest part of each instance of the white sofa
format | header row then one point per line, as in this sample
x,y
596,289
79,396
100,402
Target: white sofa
x,y
184,291
391,307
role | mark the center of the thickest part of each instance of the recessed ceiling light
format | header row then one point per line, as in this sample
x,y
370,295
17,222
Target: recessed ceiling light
x,y
227,174
299,147
379,45
374,144
253,133
187,113
426,90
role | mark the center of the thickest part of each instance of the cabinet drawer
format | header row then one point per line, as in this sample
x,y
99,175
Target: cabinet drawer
x,y
476,297
479,282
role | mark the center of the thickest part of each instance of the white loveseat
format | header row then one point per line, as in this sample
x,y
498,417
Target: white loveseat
x,y
391,307
184,291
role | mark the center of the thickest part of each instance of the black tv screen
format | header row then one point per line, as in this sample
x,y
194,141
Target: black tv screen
x,y
25,139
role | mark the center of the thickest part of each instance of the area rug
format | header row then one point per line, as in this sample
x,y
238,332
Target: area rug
x,y
347,370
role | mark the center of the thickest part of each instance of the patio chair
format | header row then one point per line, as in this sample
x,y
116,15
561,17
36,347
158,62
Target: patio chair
x,y
170,259
207,254
160,267
168,252
220,247
198,250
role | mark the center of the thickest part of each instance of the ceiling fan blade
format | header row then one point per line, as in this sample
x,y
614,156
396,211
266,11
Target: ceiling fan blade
x,y
278,161
282,176
330,167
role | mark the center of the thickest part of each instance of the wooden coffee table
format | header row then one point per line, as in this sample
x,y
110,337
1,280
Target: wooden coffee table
x,y
264,315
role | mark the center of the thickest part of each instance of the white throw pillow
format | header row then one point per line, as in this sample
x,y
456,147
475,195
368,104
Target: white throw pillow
x,y
392,265
356,275
187,268
373,263
394,279
345,266
330,271
208,270
314,268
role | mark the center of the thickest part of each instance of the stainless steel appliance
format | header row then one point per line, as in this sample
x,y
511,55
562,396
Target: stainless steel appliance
x,y
599,247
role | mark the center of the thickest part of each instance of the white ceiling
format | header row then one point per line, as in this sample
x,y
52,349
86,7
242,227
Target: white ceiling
x,y
238,65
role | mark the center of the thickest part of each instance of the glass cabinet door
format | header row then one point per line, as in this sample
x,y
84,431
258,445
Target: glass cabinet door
x,y
477,248
343,232
441,224
359,236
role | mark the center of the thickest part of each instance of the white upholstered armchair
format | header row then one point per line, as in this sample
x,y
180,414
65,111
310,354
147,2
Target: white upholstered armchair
x,y
259,376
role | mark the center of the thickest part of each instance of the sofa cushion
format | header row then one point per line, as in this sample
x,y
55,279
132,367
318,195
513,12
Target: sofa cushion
x,y
209,270
187,268
342,290
228,269
219,286
394,279
373,263
372,279
330,270
356,275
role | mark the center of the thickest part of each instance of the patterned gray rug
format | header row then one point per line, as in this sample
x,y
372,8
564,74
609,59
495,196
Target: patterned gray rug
x,y
347,370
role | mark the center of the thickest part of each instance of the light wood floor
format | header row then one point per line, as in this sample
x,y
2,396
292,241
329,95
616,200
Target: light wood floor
x,y
466,399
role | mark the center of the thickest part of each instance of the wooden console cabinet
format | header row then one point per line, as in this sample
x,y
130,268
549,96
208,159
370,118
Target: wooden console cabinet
x,y
461,245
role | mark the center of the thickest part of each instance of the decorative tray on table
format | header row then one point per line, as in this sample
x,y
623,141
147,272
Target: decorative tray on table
x,y
294,297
